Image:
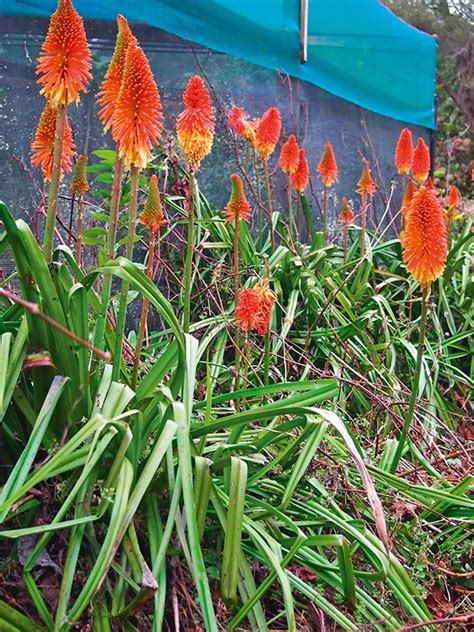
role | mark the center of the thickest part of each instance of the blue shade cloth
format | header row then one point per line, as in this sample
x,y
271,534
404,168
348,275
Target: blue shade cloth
x,y
357,49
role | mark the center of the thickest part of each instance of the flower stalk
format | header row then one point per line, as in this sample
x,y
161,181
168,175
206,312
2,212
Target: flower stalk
x,y
425,291
122,310
188,263
54,184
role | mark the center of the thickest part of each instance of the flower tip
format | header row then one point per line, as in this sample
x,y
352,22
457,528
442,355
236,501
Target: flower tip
x,y
64,62
421,162
289,155
404,152
327,167
268,132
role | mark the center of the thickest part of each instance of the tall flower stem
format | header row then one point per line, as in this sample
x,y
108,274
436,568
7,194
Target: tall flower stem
x,y
259,197
269,203
346,241
111,238
363,224
325,214
236,298
144,314
122,311
188,265
79,228
291,220
404,188
416,378
266,363
54,184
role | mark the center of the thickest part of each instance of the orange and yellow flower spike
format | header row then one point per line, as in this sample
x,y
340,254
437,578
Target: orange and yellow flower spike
x,y
300,178
238,121
289,156
43,144
195,124
327,167
110,87
79,183
421,162
268,132
152,215
267,298
238,207
137,118
404,152
424,240
346,215
64,62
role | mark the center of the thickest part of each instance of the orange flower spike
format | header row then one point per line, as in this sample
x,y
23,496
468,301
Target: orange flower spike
x,y
300,179
289,155
237,120
327,167
238,206
421,162
366,184
137,118
79,183
454,198
110,87
247,311
195,124
64,62
43,144
407,198
346,215
267,298
152,215
404,152
268,132
425,237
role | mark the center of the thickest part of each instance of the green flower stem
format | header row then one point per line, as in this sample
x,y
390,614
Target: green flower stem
x,y
416,379
80,225
122,312
259,198
363,223
144,314
111,237
325,214
236,299
54,184
291,220
346,240
269,203
188,265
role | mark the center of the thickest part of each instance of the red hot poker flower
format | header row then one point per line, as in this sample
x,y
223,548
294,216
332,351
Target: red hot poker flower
x,y
424,240
247,311
300,179
327,167
195,124
43,143
404,152
79,183
346,215
268,132
289,156
421,162
238,121
366,184
137,118
454,198
110,88
238,206
267,298
152,215
64,63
